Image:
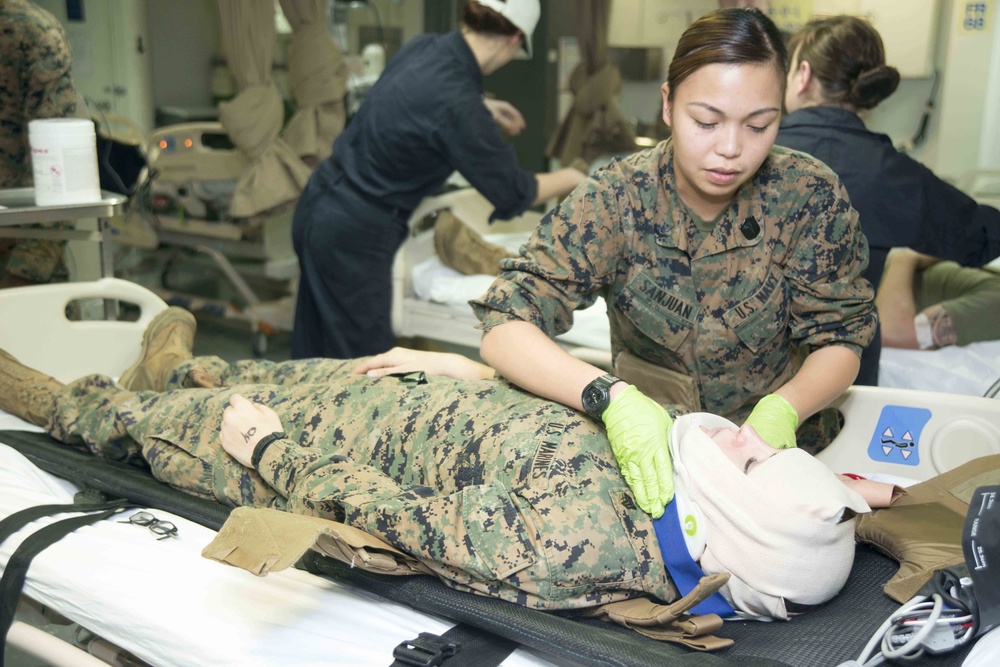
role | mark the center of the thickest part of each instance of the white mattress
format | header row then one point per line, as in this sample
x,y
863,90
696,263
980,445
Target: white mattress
x,y
166,604
969,370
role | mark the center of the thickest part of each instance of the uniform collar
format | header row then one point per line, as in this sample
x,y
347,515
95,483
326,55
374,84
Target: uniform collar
x,y
457,43
741,224
825,116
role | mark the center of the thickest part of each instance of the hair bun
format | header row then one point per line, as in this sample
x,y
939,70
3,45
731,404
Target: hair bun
x,y
872,86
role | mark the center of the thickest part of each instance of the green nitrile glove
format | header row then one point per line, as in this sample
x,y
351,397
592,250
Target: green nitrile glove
x,y
637,428
775,421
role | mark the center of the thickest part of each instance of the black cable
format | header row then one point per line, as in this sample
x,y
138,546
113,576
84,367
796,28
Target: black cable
x,y
925,119
943,582
993,390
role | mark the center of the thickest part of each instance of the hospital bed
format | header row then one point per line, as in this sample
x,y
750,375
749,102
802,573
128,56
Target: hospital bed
x,y
430,301
414,314
195,168
160,601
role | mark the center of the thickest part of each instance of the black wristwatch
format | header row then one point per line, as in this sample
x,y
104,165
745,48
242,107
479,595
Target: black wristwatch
x,y
262,445
596,395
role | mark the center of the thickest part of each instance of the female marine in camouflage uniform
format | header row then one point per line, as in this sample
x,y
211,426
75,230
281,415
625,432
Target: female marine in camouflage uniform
x,y
731,268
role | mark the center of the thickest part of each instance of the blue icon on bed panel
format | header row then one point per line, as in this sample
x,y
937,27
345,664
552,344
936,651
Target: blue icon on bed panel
x,y
897,436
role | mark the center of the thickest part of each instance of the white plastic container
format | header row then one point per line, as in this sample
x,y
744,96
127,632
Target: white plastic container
x,y
64,161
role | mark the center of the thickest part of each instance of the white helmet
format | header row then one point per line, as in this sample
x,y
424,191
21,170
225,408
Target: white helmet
x,y
523,14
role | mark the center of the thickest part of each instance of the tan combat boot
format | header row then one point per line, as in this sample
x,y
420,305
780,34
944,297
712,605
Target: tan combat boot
x,y
463,249
25,392
168,341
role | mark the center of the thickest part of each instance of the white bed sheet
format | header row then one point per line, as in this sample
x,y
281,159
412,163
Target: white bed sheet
x,y
970,369
166,604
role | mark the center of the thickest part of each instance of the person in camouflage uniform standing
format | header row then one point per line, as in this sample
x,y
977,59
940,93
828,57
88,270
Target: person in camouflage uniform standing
x,y
35,83
724,261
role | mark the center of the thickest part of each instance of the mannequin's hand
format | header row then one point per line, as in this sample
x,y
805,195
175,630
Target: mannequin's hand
x,y
244,424
404,360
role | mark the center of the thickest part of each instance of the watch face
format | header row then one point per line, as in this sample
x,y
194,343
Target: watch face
x,y
594,397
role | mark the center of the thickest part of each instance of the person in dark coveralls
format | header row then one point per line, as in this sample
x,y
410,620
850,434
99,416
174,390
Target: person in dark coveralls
x,y
425,118
732,269
838,69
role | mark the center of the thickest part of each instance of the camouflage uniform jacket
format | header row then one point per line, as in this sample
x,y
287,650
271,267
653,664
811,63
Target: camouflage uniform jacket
x,y
779,272
35,83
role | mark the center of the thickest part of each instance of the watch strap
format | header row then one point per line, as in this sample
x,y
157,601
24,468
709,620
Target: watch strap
x,y
262,445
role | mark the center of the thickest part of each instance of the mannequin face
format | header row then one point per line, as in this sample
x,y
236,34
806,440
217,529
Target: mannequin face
x,y
724,120
744,447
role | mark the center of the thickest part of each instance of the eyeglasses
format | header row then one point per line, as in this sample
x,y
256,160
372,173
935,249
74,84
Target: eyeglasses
x,y
164,529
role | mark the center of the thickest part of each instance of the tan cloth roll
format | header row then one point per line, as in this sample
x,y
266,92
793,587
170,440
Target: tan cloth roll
x,y
276,175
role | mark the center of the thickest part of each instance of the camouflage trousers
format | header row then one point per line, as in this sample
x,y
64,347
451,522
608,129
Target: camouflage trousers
x,y
496,490
35,260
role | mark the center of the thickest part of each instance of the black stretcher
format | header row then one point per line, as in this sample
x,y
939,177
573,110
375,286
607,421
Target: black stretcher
x,y
825,637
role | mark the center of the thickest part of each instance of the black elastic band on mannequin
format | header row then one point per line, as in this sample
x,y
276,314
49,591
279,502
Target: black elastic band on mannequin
x,y
262,445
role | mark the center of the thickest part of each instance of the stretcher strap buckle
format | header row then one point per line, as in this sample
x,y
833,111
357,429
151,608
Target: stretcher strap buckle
x,y
427,650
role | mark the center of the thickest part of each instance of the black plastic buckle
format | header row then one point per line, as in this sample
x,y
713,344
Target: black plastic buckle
x,y
426,650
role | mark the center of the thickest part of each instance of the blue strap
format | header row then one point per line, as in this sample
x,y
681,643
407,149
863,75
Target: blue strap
x,y
682,568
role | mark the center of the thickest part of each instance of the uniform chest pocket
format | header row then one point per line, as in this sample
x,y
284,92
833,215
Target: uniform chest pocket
x,y
660,315
764,315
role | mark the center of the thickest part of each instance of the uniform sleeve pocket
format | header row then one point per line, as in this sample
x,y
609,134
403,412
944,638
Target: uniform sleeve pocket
x,y
760,318
496,531
655,312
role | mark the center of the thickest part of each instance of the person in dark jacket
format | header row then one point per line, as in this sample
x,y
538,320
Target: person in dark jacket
x,y
425,118
838,69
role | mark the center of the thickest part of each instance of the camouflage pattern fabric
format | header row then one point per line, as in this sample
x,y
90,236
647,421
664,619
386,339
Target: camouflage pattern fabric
x,y
35,83
778,276
496,490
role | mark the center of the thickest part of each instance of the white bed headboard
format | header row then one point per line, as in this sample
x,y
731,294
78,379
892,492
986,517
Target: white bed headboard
x,y
34,328
910,433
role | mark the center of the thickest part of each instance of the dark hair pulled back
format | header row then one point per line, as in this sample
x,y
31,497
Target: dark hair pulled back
x,y
482,19
847,57
733,36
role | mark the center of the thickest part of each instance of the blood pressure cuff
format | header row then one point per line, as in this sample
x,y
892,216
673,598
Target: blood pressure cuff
x,y
923,529
981,546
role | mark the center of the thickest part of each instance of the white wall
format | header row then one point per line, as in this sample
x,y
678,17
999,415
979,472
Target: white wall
x,y
184,37
110,57
989,156
964,91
